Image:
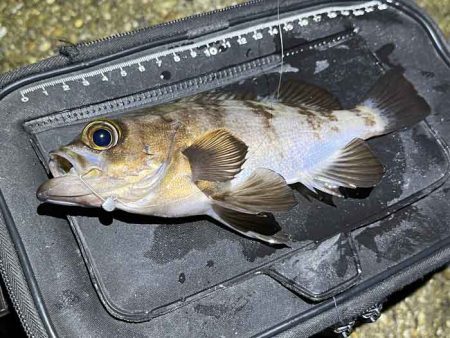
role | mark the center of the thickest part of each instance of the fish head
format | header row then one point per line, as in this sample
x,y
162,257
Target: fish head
x,y
118,159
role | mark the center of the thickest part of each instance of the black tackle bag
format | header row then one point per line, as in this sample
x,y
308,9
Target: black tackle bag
x,y
73,272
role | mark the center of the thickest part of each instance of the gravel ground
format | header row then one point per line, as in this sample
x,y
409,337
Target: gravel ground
x,y
33,29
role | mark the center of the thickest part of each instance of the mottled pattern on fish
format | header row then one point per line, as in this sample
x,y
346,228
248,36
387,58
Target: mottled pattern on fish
x,y
288,140
231,156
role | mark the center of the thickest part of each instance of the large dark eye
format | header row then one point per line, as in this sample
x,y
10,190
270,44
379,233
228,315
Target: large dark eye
x,y
101,134
102,137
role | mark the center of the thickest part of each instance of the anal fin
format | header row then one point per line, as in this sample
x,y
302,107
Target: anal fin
x,y
259,226
245,207
263,191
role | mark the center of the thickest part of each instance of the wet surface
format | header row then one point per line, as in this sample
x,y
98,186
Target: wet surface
x,y
32,30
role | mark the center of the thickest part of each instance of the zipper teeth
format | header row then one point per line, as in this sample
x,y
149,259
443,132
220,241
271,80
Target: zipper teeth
x,y
123,34
14,301
154,96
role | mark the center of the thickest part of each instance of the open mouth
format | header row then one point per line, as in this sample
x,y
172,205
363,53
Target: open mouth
x,y
61,164
72,184
66,187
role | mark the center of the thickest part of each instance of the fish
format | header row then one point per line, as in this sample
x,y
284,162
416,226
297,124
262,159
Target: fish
x,y
231,156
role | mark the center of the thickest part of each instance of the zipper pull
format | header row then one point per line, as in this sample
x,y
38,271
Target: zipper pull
x,y
373,313
345,330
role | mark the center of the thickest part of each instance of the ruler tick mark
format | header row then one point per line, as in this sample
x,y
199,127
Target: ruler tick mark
x,y
212,46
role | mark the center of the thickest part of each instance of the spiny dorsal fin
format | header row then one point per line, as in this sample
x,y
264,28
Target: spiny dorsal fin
x,y
261,226
351,167
213,97
294,93
216,156
305,95
263,191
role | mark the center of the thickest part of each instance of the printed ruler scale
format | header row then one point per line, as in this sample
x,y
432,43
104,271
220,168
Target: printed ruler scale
x,y
209,47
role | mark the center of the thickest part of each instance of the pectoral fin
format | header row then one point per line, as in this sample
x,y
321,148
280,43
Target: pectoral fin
x,y
217,156
354,166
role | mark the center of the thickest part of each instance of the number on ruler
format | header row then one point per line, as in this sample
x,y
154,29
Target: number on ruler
x,y
158,62
123,73
44,91
226,44
104,78
85,82
141,68
176,57
273,31
24,98
65,87
303,22
241,40
257,35
193,53
213,50
288,26
210,51
332,15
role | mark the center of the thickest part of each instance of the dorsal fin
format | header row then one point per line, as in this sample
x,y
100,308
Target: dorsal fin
x,y
300,94
217,96
293,93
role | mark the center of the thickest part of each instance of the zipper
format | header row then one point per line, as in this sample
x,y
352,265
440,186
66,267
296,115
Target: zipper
x,y
181,89
90,43
14,300
19,283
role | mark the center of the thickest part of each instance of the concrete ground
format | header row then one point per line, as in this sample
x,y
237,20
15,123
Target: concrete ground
x,y
33,29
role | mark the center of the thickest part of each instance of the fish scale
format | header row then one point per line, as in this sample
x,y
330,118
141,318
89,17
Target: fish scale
x,y
284,142
231,156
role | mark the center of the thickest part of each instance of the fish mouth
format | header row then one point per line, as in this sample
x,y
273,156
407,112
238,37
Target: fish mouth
x,y
62,164
67,190
66,187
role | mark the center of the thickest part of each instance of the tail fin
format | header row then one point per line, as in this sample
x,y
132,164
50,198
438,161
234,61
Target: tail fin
x,y
396,100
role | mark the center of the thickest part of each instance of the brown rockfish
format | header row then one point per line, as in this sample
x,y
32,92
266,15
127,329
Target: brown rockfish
x,y
231,156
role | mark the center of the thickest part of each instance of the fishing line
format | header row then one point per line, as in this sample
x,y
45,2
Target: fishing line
x,y
87,185
337,311
280,31
109,203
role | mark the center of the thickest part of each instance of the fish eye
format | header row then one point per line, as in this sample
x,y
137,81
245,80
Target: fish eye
x,y
100,135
